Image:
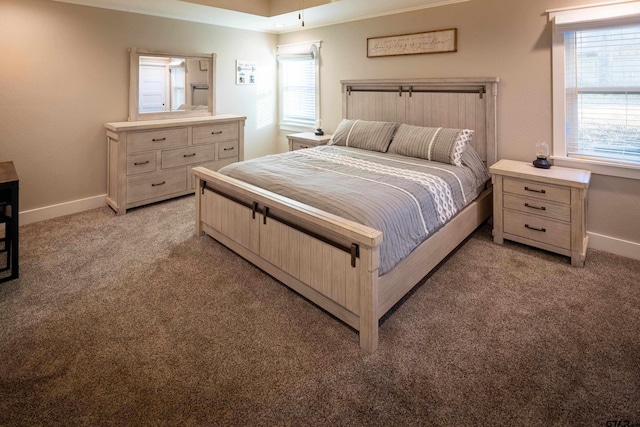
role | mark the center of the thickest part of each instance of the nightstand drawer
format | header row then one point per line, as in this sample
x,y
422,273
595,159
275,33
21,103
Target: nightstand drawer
x,y
300,145
537,190
539,229
537,207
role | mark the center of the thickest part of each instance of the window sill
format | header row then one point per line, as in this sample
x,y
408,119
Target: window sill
x,y
296,127
599,167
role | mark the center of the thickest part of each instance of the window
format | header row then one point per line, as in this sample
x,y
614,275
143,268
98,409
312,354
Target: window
x,y
298,68
596,79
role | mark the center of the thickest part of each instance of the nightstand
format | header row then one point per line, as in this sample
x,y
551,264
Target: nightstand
x,y
545,208
306,140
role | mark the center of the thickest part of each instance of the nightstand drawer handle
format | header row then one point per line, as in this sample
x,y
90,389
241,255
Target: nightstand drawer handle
x,y
158,139
544,230
216,132
229,148
160,183
304,146
534,191
146,162
540,208
189,155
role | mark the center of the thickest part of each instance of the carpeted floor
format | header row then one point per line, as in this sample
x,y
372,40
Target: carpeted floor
x,y
133,320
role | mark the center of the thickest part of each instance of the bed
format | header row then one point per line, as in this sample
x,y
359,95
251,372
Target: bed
x,y
333,259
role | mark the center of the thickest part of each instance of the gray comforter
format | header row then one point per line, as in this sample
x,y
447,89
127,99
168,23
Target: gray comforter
x,y
408,199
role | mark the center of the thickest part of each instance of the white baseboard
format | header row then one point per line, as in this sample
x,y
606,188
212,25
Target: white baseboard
x,y
614,245
62,209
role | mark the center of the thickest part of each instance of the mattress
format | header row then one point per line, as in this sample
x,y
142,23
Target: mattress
x,y
406,198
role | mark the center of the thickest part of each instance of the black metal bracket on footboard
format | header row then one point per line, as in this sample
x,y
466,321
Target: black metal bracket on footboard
x,y
353,250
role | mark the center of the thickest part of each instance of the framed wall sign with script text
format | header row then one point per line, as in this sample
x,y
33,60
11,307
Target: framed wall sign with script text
x,y
413,44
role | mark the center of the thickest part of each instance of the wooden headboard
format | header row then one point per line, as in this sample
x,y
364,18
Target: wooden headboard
x,y
462,103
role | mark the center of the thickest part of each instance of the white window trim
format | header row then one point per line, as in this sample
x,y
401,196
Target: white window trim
x,y
564,19
294,48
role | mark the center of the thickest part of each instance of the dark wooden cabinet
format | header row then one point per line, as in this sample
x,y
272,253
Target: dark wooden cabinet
x,y
9,222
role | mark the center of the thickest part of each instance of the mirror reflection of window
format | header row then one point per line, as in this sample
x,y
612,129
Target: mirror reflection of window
x,y
178,81
162,83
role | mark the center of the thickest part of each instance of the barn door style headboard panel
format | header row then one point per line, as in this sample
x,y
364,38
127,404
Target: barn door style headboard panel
x,y
462,103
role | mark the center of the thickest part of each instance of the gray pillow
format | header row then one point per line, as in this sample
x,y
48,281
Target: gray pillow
x,y
367,135
442,145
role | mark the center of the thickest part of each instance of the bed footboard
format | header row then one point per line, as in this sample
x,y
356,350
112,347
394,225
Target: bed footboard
x,y
329,260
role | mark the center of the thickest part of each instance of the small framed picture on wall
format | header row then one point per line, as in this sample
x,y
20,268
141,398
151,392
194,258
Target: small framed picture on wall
x,y
245,72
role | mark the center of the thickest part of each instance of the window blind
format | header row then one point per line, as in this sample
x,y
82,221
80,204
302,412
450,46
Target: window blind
x,y
299,83
298,91
602,82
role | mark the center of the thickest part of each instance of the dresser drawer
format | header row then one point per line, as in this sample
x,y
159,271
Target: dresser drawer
x,y
187,156
537,190
537,207
156,184
141,163
228,149
538,228
215,133
156,139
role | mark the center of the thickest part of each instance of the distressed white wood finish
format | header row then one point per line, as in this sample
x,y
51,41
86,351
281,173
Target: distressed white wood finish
x,y
545,208
151,160
433,109
320,272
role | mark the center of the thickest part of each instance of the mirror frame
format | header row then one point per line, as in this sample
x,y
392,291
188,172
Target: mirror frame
x,y
134,81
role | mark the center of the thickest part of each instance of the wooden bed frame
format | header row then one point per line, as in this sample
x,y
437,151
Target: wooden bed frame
x,y
332,261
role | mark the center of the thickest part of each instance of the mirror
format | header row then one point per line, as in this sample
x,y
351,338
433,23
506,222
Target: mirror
x,y
165,85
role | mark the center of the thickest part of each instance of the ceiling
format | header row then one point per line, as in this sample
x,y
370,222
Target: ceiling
x,y
325,12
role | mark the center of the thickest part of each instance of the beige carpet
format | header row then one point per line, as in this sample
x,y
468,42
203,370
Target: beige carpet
x,y
133,320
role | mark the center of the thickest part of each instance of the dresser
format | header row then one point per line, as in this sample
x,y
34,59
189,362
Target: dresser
x,y
545,208
149,161
302,140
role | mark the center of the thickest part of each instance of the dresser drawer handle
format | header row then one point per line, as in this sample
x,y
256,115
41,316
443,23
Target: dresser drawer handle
x,y
189,155
304,146
540,208
544,230
218,132
534,191
146,162
158,139
158,184
229,148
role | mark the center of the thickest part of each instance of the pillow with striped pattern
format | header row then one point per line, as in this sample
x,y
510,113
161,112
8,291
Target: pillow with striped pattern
x,y
367,135
442,145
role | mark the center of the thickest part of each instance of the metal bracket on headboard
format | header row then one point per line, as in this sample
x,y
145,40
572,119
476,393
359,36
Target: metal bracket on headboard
x,y
480,90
